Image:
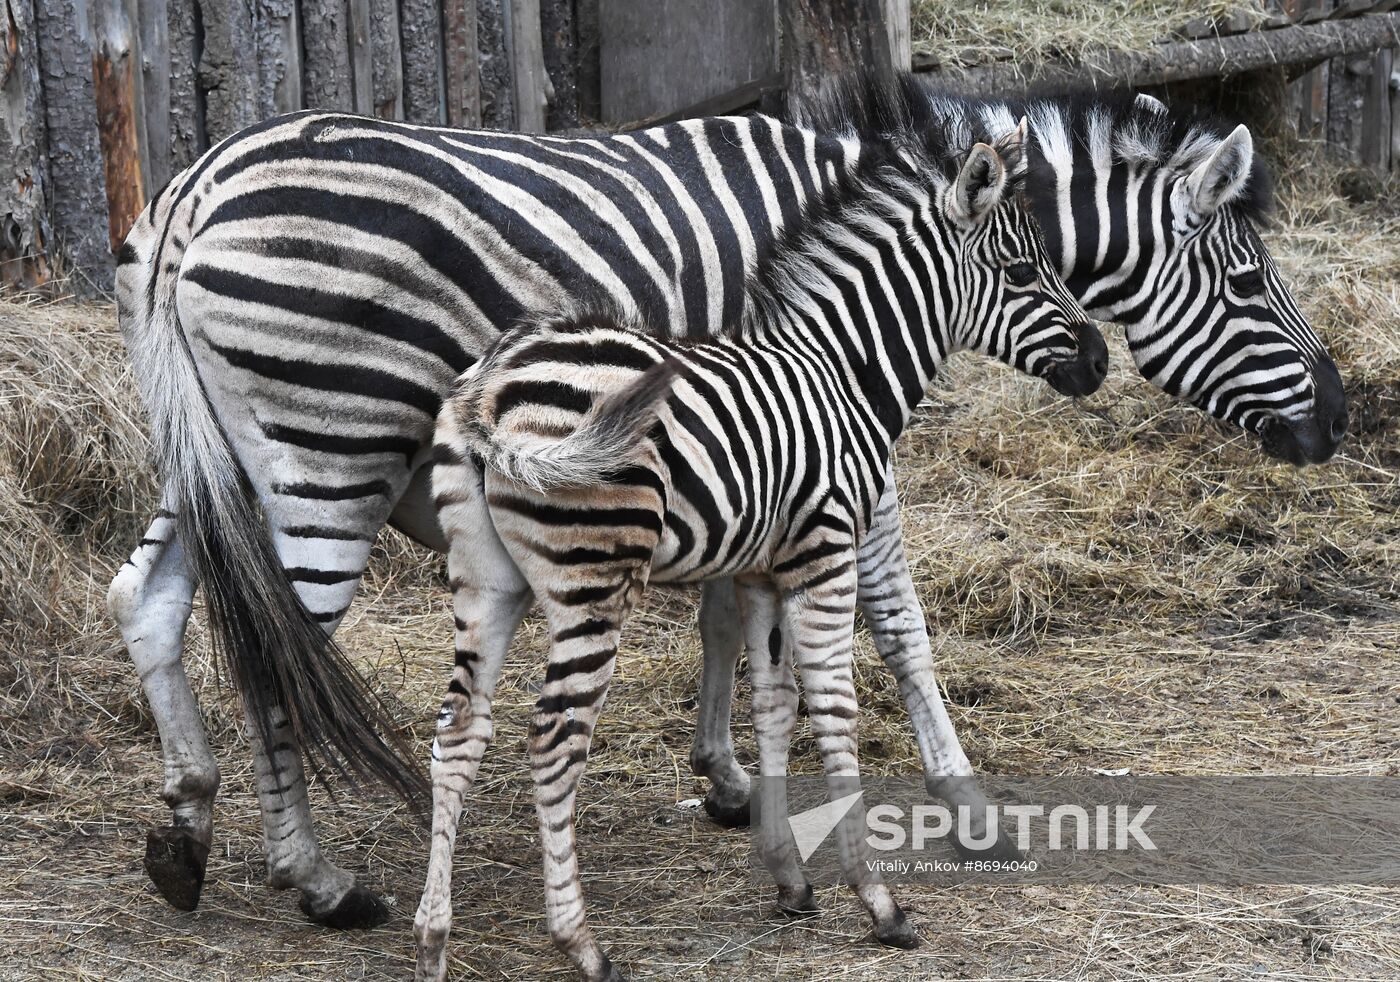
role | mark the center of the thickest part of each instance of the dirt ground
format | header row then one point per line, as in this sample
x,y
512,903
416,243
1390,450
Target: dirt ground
x,y
1118,583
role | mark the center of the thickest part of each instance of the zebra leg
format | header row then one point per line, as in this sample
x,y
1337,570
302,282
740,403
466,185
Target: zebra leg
x,y
150,599
712,753
489,597
891,607
324,546
821,634
774,717
581,663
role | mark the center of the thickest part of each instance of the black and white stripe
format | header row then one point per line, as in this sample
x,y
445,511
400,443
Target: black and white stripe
x,y
606,459
298,302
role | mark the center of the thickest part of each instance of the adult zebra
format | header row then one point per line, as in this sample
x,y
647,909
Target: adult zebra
x,y
298,302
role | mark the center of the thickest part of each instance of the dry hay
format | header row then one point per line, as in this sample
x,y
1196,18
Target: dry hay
x,y
1114,583
1034,30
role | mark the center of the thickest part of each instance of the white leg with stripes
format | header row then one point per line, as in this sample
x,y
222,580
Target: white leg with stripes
x,y
821,643
712,753
774,711
150,598
489,598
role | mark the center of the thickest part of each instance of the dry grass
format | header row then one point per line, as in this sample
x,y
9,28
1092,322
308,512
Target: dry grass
x,y
1115,583
1033,30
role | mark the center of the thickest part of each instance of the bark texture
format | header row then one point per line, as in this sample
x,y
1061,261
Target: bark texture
x,y
24,220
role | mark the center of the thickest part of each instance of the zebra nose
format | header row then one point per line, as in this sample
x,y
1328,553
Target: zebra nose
x,y
1330,401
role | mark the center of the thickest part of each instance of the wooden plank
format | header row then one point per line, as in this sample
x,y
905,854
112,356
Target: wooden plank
x,y
186,127
421,34
497,82
1346,96
77,193
738,99
116,81
388,59
657,56
228,69
361,58
463,84
25,233
325,33
532,86
901,38
1309,91
278,57
822,38
154,26
590,84
1376,114
558,28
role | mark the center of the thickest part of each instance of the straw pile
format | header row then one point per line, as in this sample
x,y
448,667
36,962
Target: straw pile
x,y
1116,583
1033,30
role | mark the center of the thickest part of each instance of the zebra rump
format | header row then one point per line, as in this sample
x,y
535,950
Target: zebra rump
x,y
278,657
601,444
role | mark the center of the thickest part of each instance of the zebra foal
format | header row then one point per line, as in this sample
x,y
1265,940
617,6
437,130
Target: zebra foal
x,y
583,458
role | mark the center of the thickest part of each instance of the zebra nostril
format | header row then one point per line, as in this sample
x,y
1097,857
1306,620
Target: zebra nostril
x,y
1339,428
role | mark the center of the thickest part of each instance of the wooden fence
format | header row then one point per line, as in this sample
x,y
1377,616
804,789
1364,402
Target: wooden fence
x,y
101,101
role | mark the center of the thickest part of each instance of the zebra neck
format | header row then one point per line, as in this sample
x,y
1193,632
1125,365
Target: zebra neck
x,y
856,297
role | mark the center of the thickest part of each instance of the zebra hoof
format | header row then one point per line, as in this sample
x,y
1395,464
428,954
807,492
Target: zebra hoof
x,y
359,908
797,902
611,972
899,933
175,862
727,811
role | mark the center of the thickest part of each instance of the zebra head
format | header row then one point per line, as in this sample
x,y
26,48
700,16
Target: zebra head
x,y
1220,328
1013,305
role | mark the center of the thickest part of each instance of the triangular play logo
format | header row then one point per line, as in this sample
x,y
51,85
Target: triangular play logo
x,y
810,828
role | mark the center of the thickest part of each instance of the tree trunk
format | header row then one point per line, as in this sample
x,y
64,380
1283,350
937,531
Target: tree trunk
x,y
388,59
462,87
325,28
78,195
421,30
278,57
186,111
228,68
25,233
822,38
116,77
493,65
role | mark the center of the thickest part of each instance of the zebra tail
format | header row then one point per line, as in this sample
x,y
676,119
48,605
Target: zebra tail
x,y
279,658
604,442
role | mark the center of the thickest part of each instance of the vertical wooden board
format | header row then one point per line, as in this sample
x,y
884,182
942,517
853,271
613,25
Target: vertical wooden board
x,y
558,28
78,194
1348,80
590,85
532,86
388,59
325,34
658,56
116,80
154,22
420,33
228,73
497,85
1395,109
462,83
279,57
361,58
24,208
901,38
822,38
1375,114
186,117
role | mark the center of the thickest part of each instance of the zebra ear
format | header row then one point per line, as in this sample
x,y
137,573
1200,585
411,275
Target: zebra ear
x,y
979,185
1012,149
1220,179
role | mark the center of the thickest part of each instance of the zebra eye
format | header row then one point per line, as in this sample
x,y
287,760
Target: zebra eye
x,y
1250,283
1021,274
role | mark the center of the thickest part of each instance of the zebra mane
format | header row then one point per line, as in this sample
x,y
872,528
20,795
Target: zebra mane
x,y
917,112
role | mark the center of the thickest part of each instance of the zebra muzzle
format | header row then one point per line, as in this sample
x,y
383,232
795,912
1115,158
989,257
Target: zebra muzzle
x,y
1082,374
